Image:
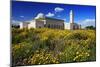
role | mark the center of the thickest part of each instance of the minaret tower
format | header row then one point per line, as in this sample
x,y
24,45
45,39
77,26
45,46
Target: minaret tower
x,y
71,17
71,20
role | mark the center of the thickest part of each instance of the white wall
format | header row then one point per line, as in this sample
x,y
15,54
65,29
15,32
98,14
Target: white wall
x,y
67,25
32,24
23,25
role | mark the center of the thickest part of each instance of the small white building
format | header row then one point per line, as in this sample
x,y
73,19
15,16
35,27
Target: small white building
x,y
46,22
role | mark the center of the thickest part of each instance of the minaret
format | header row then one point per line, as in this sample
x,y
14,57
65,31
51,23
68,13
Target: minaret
x,y
71,20
71,17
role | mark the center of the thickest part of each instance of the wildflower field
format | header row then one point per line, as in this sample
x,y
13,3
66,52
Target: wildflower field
x,y
52,46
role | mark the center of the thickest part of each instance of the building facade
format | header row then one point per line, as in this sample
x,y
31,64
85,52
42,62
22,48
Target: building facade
x,y
46,22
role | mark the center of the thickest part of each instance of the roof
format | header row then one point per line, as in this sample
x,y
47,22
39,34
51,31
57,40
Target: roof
x,y
54,19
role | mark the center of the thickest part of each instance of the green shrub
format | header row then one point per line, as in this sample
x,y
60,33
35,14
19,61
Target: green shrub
x,y
46,46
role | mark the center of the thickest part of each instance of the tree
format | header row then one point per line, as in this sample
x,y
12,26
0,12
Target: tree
x,y
90,27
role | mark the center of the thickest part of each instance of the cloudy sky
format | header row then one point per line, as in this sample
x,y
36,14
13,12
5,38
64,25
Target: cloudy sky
x,y
25,11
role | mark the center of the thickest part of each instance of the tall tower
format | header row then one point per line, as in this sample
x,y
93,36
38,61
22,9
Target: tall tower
x,y
71,20
71,17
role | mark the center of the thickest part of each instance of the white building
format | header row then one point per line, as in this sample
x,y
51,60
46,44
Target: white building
x,y
46,22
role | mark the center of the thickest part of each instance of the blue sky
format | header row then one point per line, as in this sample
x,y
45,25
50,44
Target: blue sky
x,y
25,11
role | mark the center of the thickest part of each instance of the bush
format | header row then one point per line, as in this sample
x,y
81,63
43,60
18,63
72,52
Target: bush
x,y
43,57
47,46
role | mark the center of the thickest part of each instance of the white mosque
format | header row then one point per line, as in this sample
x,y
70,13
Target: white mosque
x,y
46,22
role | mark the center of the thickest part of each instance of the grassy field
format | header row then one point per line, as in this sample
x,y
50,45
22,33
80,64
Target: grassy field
x,y
52,46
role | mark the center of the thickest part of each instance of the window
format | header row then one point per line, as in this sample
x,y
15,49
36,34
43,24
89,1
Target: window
x,y
48,25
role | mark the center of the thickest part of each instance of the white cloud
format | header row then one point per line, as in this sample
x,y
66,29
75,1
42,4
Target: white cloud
x,y
15,22
88,22
50,14
22,16
39,15
64,19
58,9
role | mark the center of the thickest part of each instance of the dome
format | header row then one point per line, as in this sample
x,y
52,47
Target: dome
x,y
40,15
